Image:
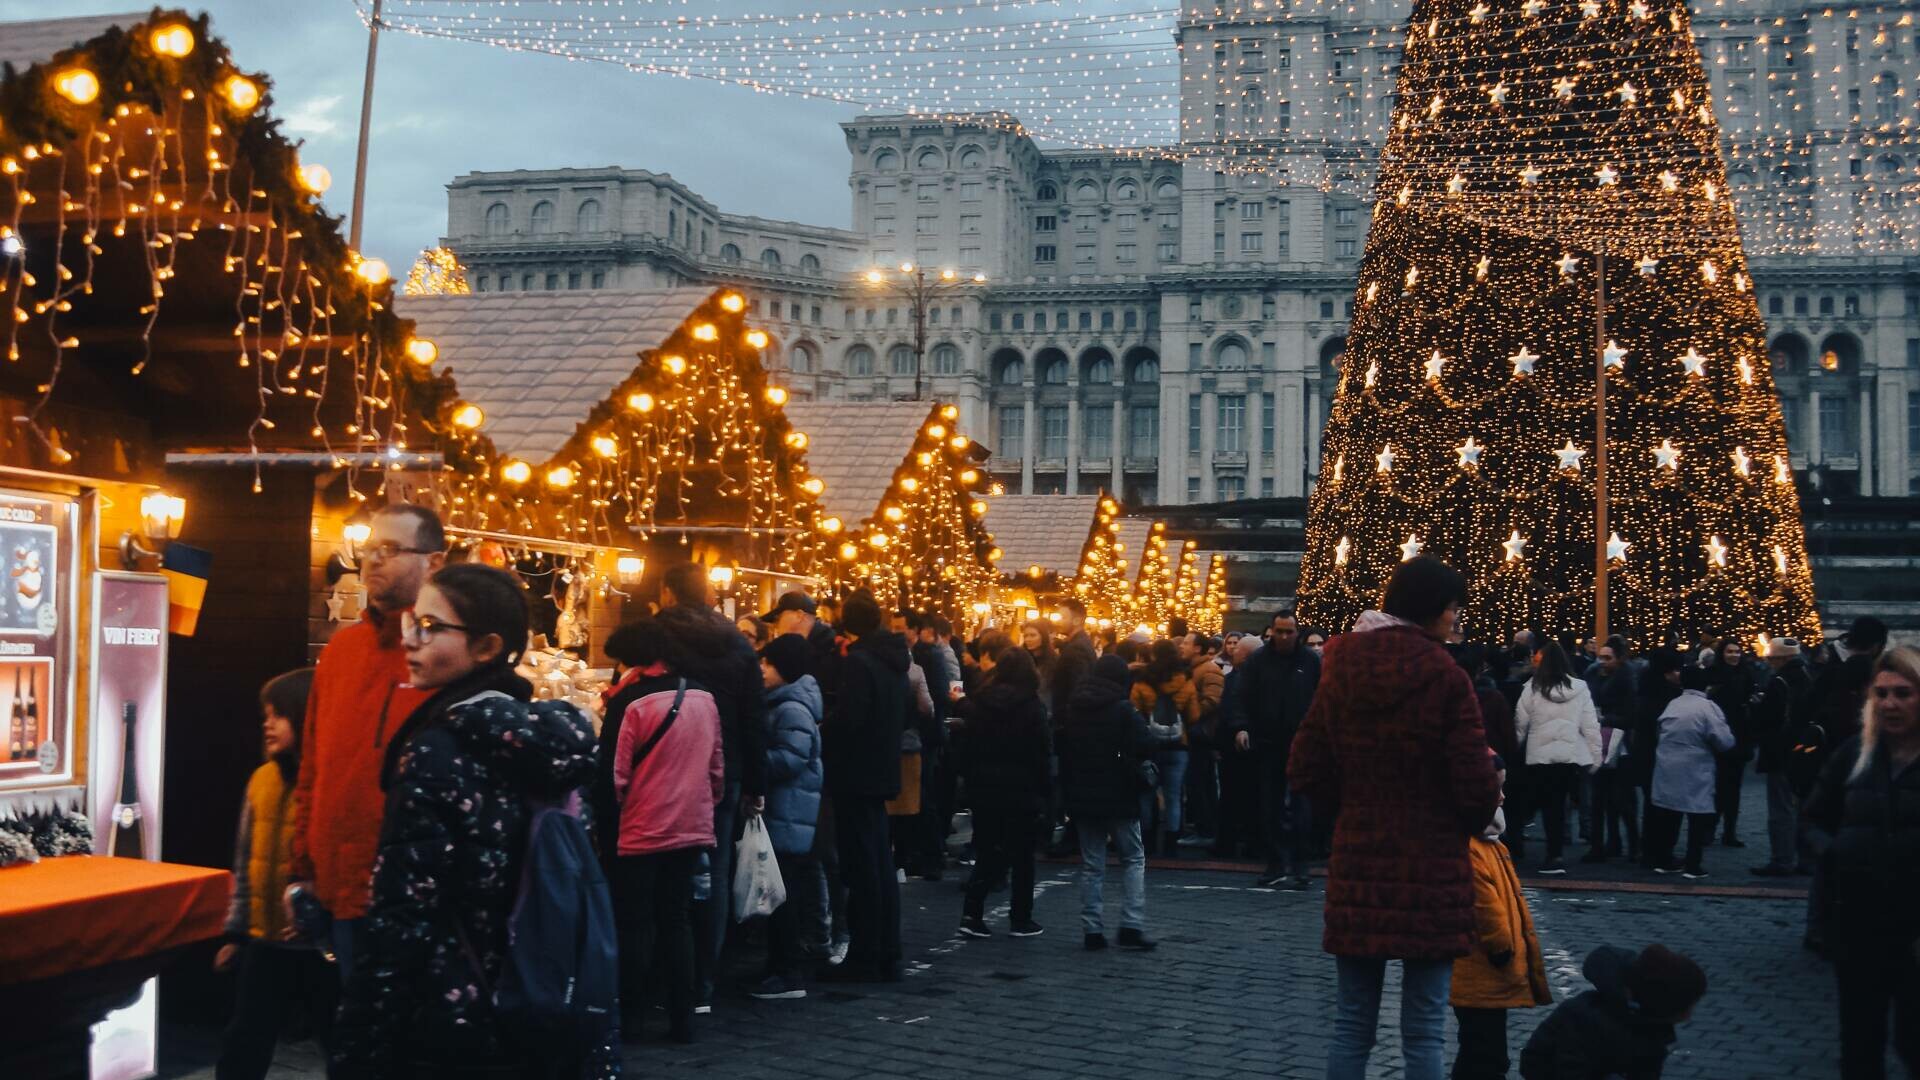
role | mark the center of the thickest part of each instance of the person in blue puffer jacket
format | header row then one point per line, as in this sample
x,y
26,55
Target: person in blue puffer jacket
x,y
797,930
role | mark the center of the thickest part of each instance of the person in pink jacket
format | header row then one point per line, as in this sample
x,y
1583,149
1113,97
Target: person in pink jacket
x,y
669,771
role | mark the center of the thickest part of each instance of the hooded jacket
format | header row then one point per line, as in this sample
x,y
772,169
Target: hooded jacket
x,y
714,653
795,775
862,736
1692,732
1102,743
1394,738
1559,727
1506,969
1600,1033
450,850
1002,750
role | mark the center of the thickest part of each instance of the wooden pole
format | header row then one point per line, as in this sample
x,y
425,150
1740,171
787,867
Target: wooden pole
x,y
1600,449
366,119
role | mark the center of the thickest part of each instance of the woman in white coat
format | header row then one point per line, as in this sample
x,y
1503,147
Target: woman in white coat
x,y
1556,725
1693,732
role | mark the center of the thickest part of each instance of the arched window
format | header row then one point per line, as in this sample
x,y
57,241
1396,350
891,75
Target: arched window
x,y
1055,373
1886,98
1167,189
1046,192
1332,354
770,259
930,159
972,158
1253,104
1086,191
1840,354
1144,371
809,264
587,218
1789,355
946,360
1887,166
859,360
499,219
886,161
1232,356
542,217
673,225
800,358
1012,373
730,253
1099,371
1126,191
900,360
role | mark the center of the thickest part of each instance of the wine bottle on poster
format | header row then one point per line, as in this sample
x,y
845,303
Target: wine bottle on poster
x,y
30,726
16,742
128,838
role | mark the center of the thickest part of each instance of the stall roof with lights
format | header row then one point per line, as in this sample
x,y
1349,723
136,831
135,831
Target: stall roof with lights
x,y
855,447
537,362
1048,531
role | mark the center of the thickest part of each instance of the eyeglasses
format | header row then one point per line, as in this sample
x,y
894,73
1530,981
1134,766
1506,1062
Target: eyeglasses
x,y
421,629
387,550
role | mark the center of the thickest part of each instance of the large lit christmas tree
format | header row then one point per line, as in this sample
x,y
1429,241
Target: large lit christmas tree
x,y
1556,375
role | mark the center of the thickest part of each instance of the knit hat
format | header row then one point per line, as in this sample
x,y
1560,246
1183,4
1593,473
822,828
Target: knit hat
x,y
789,656
1783,647
1665,984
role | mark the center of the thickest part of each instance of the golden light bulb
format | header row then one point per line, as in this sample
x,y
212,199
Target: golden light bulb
x,y
468,416
909,484
893,513
171,40
830,525
560,476
797,440
516,471
878,541
358,533
757,338
605,446
875,277
241,92
969,476
848,552
77,85
706,331
994,555
373,272
960,443
979,279
315,178
675,365
938,431
734,302
640,403
906,268
813,486
421,351
776,395
948,275
949,413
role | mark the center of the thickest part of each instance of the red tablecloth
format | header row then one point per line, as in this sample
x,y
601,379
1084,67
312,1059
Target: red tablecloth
x,y
81,911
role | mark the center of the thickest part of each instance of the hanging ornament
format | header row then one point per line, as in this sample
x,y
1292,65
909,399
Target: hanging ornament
x,y
1341,550
1742,463
1782,473
1339,468
1456,184
1410,550
1478,13
1589,9
1529,175
1523,361
1607,175
1746,370
1480,268
1613,355
1694,362
1514,546
1469,452
1629,93
1666,456
1716,550
1435,365
1497,93
1563,87
1570,456
1373,373
1779,559
1567,264
1384,459
1647,265
1709,271
1616,548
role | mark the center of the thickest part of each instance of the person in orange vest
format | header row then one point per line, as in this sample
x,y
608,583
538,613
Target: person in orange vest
x,y
362,693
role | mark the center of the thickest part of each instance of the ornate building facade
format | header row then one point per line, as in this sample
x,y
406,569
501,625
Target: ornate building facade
x,y
1169,325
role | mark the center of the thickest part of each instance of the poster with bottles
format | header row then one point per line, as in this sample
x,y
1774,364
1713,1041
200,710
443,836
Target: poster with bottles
x,y
37,549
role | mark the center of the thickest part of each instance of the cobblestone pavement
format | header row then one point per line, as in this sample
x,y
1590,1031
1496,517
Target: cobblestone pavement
x,y
1238,988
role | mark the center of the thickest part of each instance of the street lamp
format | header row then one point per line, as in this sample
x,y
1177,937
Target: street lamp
x,y
920,291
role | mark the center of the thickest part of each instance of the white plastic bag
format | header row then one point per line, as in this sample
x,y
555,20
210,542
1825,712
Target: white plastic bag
x,y
757,888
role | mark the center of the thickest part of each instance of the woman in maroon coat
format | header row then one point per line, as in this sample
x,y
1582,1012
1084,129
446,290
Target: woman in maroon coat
x,y
1394,738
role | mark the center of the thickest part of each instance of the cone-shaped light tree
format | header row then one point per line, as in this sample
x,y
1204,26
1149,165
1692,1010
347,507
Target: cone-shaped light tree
x,y
1556,378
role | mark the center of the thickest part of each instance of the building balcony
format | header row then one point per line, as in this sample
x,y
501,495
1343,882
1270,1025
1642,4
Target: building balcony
x,y
1140,464
1050,465
1229,459
1096,464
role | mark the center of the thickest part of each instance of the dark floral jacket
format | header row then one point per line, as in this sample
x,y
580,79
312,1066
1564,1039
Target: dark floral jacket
x,y
450,847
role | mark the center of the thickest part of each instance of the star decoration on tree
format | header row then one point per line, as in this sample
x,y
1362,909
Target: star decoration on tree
x,y
1410,550
1497,93
1629,93
1469,452
1666,455
1563,87
1668,181
1716,550
1456,184
1589,9
1514,544
1570,456
1478,13
1694,362
1616,547
1534,7
1480,268
1746,370
1742,462
1435,365
1523,361
1710,272
1647,265
1639,10
1373,374
1567,264
1779,559
1613,355
1607,175
1341,550
1433,107
1529,175
1339,468
1383,461
1782,472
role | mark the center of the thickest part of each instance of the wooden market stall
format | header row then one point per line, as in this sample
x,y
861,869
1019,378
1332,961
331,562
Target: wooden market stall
x,y
905,492
1041,538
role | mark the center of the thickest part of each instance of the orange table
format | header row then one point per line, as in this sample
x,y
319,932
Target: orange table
x,y
87,911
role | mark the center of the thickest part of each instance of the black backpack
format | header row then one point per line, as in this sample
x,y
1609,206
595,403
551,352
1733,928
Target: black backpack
x,y
1806,745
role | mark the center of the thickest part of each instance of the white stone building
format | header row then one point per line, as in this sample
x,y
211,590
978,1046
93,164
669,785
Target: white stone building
x,y
1168,325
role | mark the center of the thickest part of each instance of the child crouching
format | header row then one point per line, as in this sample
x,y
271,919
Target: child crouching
x,y
1505,970
1621,1027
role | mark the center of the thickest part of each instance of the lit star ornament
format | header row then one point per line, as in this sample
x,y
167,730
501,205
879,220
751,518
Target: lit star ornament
x,y
1497,93
1607,175
1563,88
1523,361
1478,12
1746,370
1614,356
1647,265
1435,365
1716,550
1639,10
1567,264
1666,455
1529,176
1742,463
1782,472
1668,181
1480,268
1616,547
1570,456
1469,452
1373,373
1534,7
1410,550
1779,559
1629,93
1384,459
1694,362
1514,544
1456,184
1341,550
1589,9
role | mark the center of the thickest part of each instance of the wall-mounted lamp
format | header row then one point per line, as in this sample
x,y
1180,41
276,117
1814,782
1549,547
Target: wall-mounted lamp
x,y
161,515
630,568
721,577
353,540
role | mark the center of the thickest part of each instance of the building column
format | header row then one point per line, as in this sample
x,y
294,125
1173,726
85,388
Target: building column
x,y
1119,446
1073,438
1295,408
1173,439
1814,456
1891,398
1209,422
1866,438
1030,442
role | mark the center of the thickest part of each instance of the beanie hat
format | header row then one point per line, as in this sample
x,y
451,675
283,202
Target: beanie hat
x,y
789,656
1664,983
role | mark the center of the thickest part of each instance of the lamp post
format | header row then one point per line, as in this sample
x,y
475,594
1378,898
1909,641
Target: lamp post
x,y
920,291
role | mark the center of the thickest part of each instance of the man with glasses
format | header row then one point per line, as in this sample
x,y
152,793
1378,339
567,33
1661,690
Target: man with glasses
x,y
360,697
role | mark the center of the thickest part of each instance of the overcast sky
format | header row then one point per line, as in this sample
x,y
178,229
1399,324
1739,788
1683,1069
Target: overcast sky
x,y
445,108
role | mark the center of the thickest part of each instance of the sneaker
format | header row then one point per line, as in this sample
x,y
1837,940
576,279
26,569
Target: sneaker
x,y
1027,929
1668,869
1096,942
703,1007
1299,883
1693,875
1552,868
1272,879
775,988
837,953
1194,841
1136,940
975,928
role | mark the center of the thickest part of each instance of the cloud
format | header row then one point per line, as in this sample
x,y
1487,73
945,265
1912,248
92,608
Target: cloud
x,y
314,116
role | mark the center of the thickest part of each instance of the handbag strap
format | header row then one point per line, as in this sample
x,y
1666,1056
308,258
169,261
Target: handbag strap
x,y
653,740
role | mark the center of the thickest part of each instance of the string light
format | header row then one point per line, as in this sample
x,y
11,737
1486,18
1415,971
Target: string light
x,y
172,40
437,272
77,85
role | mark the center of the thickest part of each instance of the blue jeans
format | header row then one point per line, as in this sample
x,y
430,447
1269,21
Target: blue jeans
x,y
1423,1017
1093,873
1173,784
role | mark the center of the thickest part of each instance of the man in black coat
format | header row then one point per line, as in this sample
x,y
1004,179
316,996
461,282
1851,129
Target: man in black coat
x,y
861,751
797,613
1782,700
1270,700
1077,655
1102,740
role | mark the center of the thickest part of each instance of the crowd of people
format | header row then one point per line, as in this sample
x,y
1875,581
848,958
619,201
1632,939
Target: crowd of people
x,y
385,846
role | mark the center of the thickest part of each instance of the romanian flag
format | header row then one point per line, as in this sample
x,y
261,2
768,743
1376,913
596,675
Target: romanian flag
x,y
187,570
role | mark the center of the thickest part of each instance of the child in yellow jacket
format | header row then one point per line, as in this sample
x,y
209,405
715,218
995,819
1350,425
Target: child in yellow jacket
x,y
1505,970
